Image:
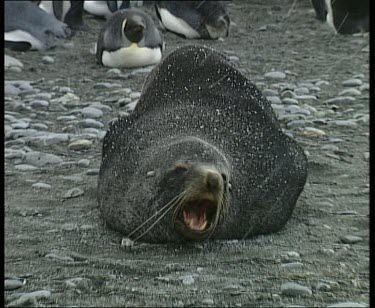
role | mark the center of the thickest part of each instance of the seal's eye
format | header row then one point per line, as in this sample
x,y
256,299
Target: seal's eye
x,y
224,177
181,168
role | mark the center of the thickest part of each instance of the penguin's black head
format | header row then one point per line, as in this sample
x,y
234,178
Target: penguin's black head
x,y
134,28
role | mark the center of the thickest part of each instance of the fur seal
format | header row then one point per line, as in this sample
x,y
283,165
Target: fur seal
x,y
69,12
201,156
129,39
194,19
26,26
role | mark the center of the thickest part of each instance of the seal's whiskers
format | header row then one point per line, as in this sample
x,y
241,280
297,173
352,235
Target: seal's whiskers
x,y
170,203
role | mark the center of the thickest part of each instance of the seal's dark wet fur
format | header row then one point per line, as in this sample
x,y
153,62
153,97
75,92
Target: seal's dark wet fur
x,y
196,107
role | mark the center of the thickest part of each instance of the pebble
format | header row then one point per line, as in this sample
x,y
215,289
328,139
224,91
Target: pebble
x,y
350,239
106,85
270,92
92,172
288,94
364,87
83,162
324,287
289,101
11,90
90,123
39,126
69,227
340,100
90,112
330,147
275,75
73,193
297,123
41,159
127,242
40,185
344,123
135,95
78,283
350,92
292,265
11,62
54,138
294,289
23,301
39,104
66,118
70,98
23,167
297,109
313,132
366,156
347,305
73,178
301,91
274,99
322,83
102,107
352,82
80,145
208,301
13,283
14,153
187,280
19,125
59,257
309,98
48,60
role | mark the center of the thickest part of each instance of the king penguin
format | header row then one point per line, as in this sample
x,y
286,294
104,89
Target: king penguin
x,y
194,19
26,26
129,39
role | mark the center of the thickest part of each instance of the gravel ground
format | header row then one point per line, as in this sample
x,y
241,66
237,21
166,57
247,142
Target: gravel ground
x,y
57,109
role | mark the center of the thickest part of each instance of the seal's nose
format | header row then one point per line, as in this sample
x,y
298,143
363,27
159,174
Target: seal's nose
x,y
213,181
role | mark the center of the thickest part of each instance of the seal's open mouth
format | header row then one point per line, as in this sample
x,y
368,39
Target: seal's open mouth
x,y
198,215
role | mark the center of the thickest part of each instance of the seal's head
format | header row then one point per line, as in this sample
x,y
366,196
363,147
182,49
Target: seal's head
x,y
202,200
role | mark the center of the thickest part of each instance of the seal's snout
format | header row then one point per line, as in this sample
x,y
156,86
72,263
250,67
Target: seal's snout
x,y
213,181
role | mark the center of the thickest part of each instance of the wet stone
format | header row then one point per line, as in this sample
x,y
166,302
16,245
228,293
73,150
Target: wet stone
x,y
292,265
66,118
41,159
39,104
364,87
355,82
59,257
13,283
23,301
106,85
322,83
295,290
19,125
10,62
344,123
330,147
69,227
350,92
48,60
41,185
187,280
90,112
289,101
73,193
83,163
80,145
23,167
90,123
275,75
73,178
298,123
340,100
54,138
274,99
301,91
78,283
347,305
270,92
92,172
351,239
323,287
208,301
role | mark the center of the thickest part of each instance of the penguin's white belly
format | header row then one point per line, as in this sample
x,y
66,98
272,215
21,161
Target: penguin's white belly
x,y
97,8
23,36
131,57
47,6
177,24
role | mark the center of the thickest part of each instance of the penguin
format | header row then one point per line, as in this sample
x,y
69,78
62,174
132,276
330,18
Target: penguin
x,y
320,9
27,27
348,16
69,12
129,39
105,8
194,19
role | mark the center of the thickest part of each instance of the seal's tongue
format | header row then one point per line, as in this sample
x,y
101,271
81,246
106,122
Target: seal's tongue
x,y
195,220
